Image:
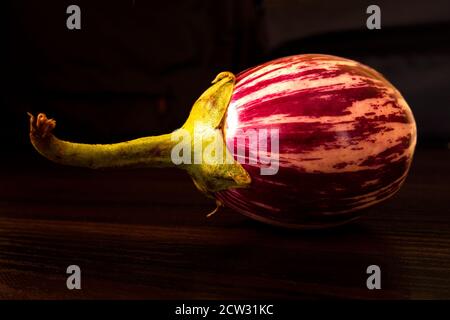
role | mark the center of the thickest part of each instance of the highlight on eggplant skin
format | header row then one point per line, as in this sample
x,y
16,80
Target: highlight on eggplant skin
x,y
346,140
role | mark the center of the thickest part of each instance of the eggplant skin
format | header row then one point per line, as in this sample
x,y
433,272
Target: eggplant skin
x,y
346,140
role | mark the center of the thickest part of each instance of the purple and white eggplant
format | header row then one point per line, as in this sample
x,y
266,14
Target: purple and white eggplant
x,y
335,134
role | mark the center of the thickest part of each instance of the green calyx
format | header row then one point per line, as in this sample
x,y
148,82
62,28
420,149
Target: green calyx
x,y
198,146
218,170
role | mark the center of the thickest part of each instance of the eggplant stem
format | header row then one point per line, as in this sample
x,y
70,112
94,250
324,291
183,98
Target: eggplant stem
x,y
144,152
201,136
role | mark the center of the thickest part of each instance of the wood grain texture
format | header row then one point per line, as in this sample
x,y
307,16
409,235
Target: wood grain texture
x,y
144,235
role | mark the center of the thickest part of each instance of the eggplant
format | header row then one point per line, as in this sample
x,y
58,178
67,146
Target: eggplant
x,y
306,141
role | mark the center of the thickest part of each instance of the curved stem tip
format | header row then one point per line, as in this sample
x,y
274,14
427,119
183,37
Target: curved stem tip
x,y
144,152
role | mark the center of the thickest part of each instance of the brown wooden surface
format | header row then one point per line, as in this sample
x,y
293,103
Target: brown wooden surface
x,y
143,234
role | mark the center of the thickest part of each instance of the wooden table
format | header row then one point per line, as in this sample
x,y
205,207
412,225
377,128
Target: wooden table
x,y
143,234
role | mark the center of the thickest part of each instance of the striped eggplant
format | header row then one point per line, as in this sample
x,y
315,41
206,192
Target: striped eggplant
x,y
344,135
347,138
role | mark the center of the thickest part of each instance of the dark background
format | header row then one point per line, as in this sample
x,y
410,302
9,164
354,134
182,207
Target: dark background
x,y
134,69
